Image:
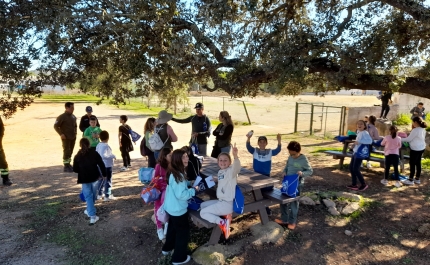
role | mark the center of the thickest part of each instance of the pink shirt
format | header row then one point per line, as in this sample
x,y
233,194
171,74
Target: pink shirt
x,y
392,146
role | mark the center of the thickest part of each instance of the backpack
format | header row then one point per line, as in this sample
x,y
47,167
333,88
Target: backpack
x,y
146,174
155,141
144,150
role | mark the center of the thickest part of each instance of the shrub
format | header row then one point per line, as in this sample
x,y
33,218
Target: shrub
x,y
402,119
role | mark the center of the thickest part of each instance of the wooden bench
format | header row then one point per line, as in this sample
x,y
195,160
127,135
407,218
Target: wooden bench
x,y
200,222
341,156
277,197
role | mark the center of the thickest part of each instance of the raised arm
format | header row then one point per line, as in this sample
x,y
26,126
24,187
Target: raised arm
x,y
186,120
236,163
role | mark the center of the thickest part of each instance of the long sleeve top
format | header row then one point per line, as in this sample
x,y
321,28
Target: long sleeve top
x,y
373,131
363,137
161,182
89,166
223,135
197,124
416,139
417,110
262,159
301,163
66,124
227,180
177,196
85,122
105,152
391,146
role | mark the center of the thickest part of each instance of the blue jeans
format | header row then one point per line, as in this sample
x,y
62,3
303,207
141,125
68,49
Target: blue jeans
x,y
90,193
226,149
107,183
354,168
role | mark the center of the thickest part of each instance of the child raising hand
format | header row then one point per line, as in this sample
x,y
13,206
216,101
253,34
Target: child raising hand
x,y
227,180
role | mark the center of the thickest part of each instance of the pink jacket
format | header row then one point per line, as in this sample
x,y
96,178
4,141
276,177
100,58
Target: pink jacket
x,y
392,146
161,182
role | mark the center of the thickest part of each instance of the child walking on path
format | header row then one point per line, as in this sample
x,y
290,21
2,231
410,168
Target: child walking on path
x,y
417,143
176,204
392,143
89,165
262,158
161,184
297,163
125,145
225,192
92,133
108,157
363,137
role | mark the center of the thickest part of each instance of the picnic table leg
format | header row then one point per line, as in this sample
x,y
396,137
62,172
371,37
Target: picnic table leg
x,y
216,233
262,209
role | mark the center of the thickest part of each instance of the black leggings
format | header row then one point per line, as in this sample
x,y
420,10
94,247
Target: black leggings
x,y
125,158
415,162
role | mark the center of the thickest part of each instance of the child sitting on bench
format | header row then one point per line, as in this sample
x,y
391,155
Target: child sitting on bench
x,y
227,179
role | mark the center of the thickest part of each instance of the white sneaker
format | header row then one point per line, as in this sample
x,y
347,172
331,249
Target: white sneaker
x,y
165,228
99,197
165,253
417,181
179,263
123,169
369,165
94,219
86,213
384,182
408,182
110,198
160,233
398,184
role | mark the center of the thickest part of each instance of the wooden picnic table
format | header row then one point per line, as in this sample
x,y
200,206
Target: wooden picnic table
x,y
249,182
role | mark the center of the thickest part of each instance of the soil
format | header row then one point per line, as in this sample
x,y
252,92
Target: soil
x,y
42,219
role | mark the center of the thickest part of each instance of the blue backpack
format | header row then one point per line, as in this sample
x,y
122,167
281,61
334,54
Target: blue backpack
x,y
290,185
239,201
146,174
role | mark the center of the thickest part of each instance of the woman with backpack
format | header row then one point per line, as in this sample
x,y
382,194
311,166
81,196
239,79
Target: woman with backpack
x,y
148,131
163,134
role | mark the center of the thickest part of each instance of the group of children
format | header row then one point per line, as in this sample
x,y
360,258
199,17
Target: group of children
x,y
392,144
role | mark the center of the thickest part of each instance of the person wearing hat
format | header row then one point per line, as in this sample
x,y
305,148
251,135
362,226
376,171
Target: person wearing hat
x,y
85,120
201,128
165,131
262,157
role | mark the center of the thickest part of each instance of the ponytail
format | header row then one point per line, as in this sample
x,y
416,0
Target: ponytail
x,y
393,131
420,122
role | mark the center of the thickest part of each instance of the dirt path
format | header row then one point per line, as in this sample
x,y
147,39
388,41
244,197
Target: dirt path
x,y
42,220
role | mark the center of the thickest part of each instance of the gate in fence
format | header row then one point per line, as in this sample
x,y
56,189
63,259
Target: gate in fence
x,y
322,120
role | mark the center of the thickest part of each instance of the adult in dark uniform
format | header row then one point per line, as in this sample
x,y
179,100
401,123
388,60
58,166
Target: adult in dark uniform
x,y
66,127
85,120
385,98
4,169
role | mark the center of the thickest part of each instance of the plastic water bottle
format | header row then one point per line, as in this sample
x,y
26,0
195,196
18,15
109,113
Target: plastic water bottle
x,y
205,127
250,133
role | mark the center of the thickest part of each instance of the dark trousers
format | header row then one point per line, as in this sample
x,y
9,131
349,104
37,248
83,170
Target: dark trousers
x,y
178,237
392,160
125,158
151,160
68,146
386,109
415,162
354,168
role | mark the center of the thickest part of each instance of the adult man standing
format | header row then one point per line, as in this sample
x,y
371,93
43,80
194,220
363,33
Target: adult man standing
x,y
385,98
201,128
66,127
85,120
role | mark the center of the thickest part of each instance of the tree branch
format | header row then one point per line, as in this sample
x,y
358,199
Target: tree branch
x,y
413,8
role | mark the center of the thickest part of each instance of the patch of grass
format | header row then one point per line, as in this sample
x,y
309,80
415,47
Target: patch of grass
x,y
71,97
395,235
425,163
407,260
48,211
68,237
98,259
323,149
402,119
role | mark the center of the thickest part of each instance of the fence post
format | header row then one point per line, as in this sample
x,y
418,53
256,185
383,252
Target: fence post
x,y
325,124
244,106
296,117
312,120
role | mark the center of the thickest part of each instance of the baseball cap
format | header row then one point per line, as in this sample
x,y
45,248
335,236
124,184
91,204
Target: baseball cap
x,y
89,109
199,106
262,138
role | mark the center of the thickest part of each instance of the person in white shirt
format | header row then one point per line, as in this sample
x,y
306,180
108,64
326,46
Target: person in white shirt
x,y
417,144
108,157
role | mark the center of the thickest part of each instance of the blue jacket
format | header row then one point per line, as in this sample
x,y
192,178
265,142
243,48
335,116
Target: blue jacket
x,y
262,160
177,196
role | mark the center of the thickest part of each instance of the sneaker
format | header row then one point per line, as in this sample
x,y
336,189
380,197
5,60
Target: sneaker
x,y
99,197
186,261
352,187
398,184
94,219
110,198
384,182
280,222
129,166
408,182
417,181
363,187
165,228
291,226
225,228
123,169
160,233
166,253
368,165
86,213
268,211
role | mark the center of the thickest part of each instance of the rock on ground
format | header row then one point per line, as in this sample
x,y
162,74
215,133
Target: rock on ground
x,y
350,208
329,203
348,233
333,211
306,200
424,229
216,254
268,233
348,195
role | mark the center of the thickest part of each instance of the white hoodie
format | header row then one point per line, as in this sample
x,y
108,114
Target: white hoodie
x,y
106,153
416,139
227,179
